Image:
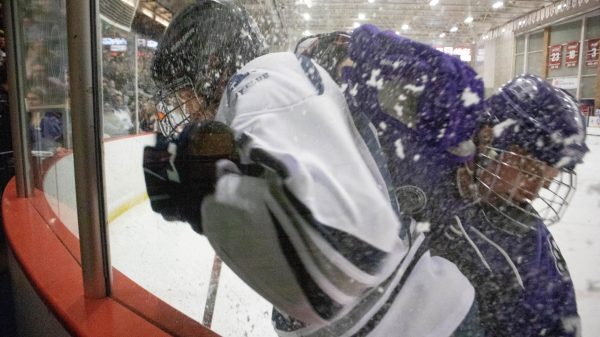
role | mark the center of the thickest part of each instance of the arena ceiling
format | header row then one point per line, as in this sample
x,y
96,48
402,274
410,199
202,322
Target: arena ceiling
x,y
446,22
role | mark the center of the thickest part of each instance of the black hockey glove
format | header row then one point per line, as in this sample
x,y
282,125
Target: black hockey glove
x,y
179,174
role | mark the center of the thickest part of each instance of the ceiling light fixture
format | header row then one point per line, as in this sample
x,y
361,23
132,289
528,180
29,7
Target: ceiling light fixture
x,y
361,16
497,4
355,25
469,19
306,33
453,29
443,35
433,2
405,27
370,1
306,16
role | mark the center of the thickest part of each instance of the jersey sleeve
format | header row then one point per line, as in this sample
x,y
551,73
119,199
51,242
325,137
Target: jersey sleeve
x,y
313,229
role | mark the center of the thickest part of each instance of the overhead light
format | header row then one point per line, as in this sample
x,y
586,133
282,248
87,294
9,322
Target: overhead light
x,y
433,2
453,29
355,25
162,21
148,12
443,35
306,33
306,16
370,1
397,33
405,27
469,19
308,3
497,4
361,16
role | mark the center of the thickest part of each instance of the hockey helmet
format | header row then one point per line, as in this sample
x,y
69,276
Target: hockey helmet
x,y
328,50
203,46
543,127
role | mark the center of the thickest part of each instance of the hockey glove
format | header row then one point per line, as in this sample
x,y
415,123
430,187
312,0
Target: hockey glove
x,y
179,174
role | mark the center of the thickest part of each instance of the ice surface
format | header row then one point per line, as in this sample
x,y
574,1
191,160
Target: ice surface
x,y
578,236
174,263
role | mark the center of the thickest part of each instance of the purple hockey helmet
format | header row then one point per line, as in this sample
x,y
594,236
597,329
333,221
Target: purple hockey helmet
x,y
544,120
541,126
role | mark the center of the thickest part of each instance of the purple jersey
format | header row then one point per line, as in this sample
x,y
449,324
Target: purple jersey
x,y
424,106
521,279
48,135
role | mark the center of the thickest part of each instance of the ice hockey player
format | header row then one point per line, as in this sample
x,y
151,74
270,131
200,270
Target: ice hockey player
x,y
286,190
425,106
521,180
490,230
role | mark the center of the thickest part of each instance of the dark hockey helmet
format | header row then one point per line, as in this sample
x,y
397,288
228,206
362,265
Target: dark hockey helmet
x,y
328,50
545,123
203,46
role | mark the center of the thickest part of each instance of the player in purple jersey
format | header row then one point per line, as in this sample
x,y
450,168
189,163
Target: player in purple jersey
x,y
521,176
521,180
425,107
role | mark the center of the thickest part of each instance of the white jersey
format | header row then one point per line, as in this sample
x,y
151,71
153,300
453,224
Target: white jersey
x,y
314,231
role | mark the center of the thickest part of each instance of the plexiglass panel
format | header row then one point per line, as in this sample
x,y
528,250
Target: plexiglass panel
x,y
520,44
163,261
592,32
534,63
536,42
42,25
519,63
563,35
588,87
163,269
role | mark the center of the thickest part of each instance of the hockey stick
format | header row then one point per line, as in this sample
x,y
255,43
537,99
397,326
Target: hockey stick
x,y
213,286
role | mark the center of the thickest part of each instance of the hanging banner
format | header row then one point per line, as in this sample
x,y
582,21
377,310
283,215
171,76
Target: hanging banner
x,y
554,56
587,107
592,52
572,54
567,82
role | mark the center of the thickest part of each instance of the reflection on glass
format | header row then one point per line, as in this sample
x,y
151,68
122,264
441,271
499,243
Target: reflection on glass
x,y
164,263
43,29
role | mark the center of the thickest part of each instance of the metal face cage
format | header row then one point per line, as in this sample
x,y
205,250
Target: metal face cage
x,y
178,104
550,199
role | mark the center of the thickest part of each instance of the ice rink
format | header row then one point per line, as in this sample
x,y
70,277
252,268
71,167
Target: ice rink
x,y
171,261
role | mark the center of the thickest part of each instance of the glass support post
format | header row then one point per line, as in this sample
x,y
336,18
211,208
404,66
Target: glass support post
x,y
83,28
16,86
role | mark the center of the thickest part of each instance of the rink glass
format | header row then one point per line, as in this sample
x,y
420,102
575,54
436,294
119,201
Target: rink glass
x,y
167,261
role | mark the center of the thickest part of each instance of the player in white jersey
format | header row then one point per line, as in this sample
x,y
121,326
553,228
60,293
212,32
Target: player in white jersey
x,y
286,190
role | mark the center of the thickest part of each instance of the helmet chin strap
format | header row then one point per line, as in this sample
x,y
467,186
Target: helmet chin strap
x,y
466,183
